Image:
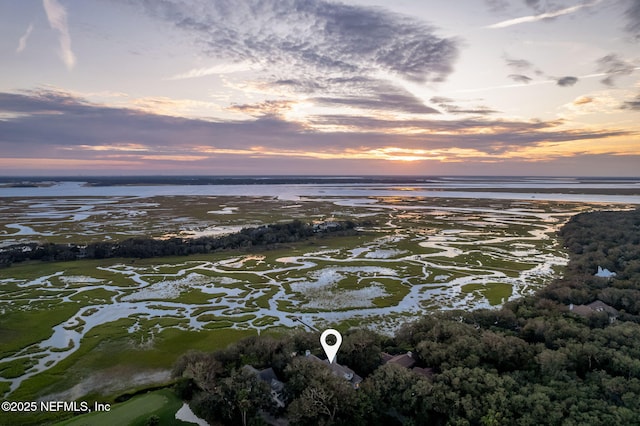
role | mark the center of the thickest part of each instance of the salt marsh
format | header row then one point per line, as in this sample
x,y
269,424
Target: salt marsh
x,y
415,254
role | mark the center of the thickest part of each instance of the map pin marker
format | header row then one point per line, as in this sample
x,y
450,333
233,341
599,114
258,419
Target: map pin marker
x,y
331,350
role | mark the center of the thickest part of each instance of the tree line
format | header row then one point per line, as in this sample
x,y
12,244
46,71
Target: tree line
x,y
532,362
606,239
144,247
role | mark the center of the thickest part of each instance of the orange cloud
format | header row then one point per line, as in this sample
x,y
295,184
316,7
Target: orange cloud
x,y
583,100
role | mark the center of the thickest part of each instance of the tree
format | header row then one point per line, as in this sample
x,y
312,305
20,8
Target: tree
x,y
553,364
202,368
317,396
360,350
398,392
506,353
471,394
236,399
153,420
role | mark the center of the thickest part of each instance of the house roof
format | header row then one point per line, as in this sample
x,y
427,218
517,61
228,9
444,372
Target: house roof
x,y
582,310
250,368
268,375
404,360
339,370
599,306
346,372
386,357
604,273
425,372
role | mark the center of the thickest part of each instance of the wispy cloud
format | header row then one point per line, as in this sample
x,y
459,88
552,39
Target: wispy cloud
x,y
521,65
550,80
373,95
633,104
266,108
613,67
497,5
57,16
520,78
633,16
126,147
542,16
315,35
450,106
518,64
329,51
22,43
214,70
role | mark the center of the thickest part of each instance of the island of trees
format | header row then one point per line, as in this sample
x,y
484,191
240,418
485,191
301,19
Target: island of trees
x,y
568,355
263,237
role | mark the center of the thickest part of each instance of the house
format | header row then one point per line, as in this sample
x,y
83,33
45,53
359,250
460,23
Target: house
x,y
329,225
582,310
338,370
82,251
594,307
404,360
427,373
600,306
269,377
407,361
604,273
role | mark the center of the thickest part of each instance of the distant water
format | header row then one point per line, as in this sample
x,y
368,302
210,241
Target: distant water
x,y
604,190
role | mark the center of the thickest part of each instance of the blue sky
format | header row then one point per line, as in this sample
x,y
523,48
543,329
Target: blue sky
x,y
523,87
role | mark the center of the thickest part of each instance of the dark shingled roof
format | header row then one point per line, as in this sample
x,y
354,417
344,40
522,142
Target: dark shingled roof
x,y
405,360
339,370
597,306
600,306
582,310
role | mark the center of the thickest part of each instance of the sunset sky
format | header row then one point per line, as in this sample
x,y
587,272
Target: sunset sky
x,y
219,87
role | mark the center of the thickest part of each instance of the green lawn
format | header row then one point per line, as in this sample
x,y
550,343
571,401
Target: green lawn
x,y
134,412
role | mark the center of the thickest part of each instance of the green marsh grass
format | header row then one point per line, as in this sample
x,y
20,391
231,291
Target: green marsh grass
x,y
23,328
158,342
495,293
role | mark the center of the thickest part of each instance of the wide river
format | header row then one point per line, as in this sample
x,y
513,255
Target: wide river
x,y
555,189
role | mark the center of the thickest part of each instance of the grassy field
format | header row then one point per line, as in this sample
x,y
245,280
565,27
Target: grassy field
x,y
135,412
